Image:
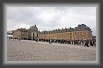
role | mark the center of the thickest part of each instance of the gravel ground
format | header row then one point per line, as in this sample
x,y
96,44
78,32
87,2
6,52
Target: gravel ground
x,y
25,50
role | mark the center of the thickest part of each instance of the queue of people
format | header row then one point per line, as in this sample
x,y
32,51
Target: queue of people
x,y
74,42
62,41
15,39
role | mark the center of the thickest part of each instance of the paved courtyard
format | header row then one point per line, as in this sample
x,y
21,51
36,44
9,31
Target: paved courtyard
x,y
25,50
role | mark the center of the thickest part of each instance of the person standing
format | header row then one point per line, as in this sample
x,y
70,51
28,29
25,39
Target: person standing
x,y
82,42
49,41
19,39
86,44
94,43
91,43
37,39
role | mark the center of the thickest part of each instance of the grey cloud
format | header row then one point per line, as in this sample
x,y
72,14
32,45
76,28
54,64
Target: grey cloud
x,y
49,18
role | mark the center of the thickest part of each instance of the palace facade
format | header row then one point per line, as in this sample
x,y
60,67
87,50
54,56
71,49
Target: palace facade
x,y
20,33
81,32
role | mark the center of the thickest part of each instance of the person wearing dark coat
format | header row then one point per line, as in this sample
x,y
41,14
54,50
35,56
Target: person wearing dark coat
x,y
91,43
86,44
36,39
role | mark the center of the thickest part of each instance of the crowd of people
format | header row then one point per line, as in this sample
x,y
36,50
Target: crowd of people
x,y
14,39
74,42
62,41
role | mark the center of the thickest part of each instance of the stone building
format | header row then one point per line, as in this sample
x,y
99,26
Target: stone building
x,y
20,33
23,33
32,32
81,32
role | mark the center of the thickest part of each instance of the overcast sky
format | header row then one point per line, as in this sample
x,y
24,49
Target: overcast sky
x,y
49,18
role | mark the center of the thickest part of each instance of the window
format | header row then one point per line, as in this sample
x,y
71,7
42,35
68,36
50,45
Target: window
x,y
70,37
84,32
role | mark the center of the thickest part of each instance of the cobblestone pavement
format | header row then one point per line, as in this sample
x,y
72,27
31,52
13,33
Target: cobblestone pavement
x,y
43,51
